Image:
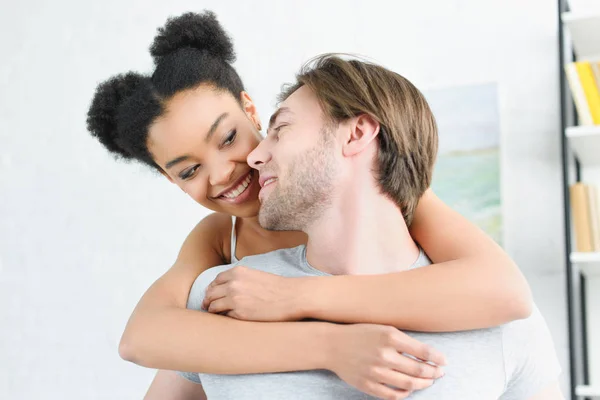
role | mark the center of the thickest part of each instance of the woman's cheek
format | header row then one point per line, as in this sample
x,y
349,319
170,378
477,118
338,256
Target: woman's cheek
x,y
197,192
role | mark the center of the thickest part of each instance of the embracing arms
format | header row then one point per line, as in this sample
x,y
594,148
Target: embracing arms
x,y
473,284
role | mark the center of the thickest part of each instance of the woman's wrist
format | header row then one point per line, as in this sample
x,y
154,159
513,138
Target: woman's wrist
x,y
326,336
304,298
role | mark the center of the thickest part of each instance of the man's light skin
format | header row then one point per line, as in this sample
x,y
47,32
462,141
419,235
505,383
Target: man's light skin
x,y
358,225
341,239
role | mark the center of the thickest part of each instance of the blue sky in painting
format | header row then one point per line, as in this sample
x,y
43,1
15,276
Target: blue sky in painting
x,y
467,116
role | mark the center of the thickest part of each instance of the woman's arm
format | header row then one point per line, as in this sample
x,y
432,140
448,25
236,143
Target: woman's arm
x,y
473,283
162,333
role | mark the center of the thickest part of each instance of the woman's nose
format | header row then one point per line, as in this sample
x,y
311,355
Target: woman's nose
x,y
221,173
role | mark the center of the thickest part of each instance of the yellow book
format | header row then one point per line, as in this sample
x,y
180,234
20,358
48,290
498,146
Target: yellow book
x,y
594,217
592,95
596,70
581,217
583,110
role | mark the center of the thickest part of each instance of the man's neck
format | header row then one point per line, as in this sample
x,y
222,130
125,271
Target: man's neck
x,y
363,232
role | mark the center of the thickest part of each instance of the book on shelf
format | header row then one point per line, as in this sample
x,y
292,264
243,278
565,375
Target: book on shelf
x,y
585,211
584,81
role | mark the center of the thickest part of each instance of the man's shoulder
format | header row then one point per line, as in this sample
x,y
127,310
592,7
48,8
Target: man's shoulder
x,y
291,256
536,319
530,357
285,262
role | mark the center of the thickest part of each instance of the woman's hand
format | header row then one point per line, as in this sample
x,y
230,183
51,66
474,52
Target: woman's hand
x,y
373,359
252,295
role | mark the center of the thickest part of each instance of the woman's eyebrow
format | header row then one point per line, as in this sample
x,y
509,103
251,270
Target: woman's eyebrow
x,y
176,161
214,126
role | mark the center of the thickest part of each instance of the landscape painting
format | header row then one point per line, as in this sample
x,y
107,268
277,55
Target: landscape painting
x,y
467,172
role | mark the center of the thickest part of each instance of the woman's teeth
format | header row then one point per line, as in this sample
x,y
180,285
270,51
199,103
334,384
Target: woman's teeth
x,y
232,194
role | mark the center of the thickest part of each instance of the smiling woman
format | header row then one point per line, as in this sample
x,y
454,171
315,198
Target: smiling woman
x,y
203,149
192,121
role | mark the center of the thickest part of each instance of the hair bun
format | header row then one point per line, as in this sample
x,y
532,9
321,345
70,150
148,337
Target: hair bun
x,y
103,114
192,30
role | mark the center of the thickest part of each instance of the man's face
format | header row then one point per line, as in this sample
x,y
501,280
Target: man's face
x,y
297,164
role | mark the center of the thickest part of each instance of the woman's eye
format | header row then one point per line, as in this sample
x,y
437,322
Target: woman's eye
x,y
230,138
188,173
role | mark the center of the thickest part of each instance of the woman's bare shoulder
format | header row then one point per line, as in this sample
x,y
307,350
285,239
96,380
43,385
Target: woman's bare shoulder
x,y
214,228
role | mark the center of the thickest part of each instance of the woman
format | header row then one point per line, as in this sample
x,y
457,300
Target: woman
x,y
193,122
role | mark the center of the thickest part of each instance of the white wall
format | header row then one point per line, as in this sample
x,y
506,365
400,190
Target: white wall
x,y
81,236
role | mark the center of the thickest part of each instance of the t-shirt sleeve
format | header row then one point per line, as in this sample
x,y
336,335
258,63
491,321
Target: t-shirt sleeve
x,y
190,376
530,360
195,298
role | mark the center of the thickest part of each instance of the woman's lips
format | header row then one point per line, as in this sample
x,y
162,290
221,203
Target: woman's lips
x,y
241,192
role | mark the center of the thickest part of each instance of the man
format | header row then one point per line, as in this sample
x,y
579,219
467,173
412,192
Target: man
x,y
348,154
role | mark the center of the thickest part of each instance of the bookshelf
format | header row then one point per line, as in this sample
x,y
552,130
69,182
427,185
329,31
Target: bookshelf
x,y
579,40
584,32
588,391
585,143
588,263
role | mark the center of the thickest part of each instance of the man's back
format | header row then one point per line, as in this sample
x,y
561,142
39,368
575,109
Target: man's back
x,y
513,361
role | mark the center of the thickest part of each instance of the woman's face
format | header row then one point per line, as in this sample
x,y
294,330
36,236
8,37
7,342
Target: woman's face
x,y
201,143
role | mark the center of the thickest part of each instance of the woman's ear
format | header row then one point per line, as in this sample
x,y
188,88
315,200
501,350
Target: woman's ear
x,y
363,131
250,109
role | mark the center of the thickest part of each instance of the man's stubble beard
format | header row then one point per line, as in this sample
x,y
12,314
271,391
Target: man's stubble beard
x,y
307,191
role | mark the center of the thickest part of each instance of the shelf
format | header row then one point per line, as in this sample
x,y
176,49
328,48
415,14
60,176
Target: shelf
x,y
588,263
585,33
589,391
585,142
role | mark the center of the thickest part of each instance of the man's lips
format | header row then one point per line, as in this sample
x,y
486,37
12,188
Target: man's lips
x,y
266,180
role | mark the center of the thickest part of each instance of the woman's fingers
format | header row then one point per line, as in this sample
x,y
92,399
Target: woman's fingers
x,y
381,391
213,293
219,306
413,367
412,347
398,380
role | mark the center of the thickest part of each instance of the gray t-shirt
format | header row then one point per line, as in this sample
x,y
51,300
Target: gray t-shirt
x,y
510,362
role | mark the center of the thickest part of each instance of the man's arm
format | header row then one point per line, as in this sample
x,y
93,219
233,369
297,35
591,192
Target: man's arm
x,y
552,392
168,385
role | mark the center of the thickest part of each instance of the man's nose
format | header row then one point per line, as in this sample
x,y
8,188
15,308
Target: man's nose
x,y
260,155
221,173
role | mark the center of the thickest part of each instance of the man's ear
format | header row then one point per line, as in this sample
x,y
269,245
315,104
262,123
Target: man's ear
x,y
250,109
362,132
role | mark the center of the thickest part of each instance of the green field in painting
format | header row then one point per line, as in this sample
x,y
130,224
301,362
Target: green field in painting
x,y
469,182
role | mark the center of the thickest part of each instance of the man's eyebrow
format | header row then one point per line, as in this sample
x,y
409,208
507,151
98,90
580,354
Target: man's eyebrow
x,y
276,114
214,127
